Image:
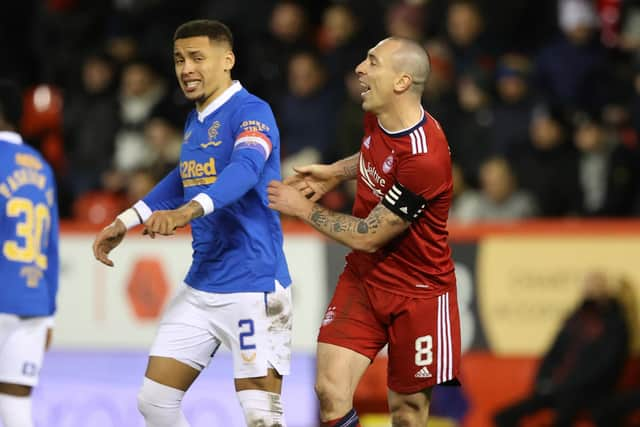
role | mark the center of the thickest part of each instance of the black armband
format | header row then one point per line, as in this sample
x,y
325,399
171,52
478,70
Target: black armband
x,y
404,203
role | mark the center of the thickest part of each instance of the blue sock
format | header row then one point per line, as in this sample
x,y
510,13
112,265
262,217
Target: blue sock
x,y
349,420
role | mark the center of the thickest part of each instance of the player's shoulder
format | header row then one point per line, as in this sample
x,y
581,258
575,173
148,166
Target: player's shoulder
x,y
16,152
252,113
426,140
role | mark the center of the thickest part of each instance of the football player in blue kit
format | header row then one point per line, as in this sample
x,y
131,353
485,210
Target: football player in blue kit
x,y
237,290
28,262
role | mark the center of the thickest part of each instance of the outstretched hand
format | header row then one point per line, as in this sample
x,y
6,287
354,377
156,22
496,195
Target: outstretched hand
x,y
109,238
313,181
287,200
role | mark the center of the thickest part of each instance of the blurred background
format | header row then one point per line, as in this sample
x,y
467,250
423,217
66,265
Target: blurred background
x,y
540,101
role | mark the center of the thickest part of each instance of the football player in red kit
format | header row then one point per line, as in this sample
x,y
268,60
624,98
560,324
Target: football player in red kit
x,y
398,287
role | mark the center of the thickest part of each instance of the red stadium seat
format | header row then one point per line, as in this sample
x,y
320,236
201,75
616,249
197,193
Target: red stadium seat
x,y
97,208
42,122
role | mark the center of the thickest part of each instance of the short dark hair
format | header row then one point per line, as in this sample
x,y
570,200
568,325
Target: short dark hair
x,y
214,30
10,103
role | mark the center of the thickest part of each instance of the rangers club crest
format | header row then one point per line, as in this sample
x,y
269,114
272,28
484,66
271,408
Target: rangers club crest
x,y
388,164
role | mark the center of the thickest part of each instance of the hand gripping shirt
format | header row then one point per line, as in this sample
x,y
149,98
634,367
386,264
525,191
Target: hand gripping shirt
x,y
230,152
29,261
418,262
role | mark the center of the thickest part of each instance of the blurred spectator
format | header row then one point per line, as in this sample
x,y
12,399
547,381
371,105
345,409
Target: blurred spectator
x,y
498,199
307,115
573,70
61,30
514,106
406,19
140,91
349,122
341,42
439,95
461,192
288,33
547,165
90,123
163,136
142,29
613,410
470,134
584,362
465,28
630,31
139,184
608,170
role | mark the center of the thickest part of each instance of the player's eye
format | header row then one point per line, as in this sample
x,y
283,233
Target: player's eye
x,y
198,59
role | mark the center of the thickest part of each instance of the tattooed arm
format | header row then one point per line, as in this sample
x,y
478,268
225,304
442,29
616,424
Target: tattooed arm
x,y
363,234
348,167
314,181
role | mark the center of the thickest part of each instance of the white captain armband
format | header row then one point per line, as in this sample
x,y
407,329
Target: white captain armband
x,y
130,218
404,203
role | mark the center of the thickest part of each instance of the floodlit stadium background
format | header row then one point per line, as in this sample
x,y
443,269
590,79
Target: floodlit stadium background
x,y
101,103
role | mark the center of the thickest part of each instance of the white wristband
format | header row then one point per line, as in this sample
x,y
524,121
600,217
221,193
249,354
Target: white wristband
x,y
130,218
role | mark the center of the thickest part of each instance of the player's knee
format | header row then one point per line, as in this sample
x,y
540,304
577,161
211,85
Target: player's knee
x,y
157,401
408,413
331,394
261,408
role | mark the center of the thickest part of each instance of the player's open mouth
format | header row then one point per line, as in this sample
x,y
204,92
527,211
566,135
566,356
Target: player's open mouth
x,y
190,85
365,88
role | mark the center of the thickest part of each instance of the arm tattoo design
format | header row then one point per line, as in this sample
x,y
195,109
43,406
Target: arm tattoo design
x,y
351,171
350,166
336,223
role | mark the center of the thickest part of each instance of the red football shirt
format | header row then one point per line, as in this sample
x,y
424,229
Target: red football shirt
x,y
418,262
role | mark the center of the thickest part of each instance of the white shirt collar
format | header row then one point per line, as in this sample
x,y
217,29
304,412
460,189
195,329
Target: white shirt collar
x,y
220,100
406,129
11,137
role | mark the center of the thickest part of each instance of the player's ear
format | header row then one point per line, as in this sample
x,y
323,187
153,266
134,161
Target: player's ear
x,y
403,82
229,60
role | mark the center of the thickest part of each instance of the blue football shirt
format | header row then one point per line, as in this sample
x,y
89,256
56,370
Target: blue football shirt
x,y
28,230
230,152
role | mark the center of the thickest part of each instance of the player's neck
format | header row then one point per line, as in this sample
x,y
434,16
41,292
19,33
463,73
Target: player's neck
x,y
202,105
401,117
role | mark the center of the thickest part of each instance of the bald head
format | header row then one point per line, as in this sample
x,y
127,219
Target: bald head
x,y
411,58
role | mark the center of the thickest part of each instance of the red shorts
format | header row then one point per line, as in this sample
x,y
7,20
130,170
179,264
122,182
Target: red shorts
x,y
423,334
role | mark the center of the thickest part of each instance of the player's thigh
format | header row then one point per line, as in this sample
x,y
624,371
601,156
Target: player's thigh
x,y
256,327
350,321
424,344
279,312
22,347
184,342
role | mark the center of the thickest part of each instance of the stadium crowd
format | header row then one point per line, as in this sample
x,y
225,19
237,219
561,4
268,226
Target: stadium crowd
x,y
540,100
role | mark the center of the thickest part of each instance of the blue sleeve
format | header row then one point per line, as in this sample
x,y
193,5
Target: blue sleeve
x,y
255,135
53,255
241,175
167,194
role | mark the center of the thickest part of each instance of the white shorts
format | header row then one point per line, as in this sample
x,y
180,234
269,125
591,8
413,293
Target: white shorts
x,y
255,326
22,347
